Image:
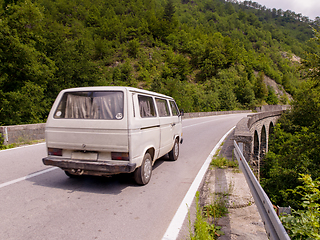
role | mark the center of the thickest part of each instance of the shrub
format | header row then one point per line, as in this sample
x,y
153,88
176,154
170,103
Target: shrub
x,y
305,224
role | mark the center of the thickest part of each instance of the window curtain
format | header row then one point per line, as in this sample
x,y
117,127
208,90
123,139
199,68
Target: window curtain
x,y
162,108
146,107
78,106
104,106
109,106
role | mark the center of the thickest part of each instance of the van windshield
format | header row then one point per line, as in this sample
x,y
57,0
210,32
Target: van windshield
x,y
91,105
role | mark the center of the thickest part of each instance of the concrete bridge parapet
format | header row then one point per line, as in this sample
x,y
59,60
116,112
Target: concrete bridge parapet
x,y
252,136
22,133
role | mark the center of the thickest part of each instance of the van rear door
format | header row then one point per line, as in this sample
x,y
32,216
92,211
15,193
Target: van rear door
x,y
89,121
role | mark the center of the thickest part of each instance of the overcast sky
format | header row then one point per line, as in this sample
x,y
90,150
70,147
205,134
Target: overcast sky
x,y
308,8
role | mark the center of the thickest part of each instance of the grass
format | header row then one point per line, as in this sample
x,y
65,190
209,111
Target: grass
x,y
20,143
205,226
222,162
216,209
218,206
202,229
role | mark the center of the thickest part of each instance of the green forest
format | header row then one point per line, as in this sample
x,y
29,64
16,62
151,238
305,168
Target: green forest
x,y
210,55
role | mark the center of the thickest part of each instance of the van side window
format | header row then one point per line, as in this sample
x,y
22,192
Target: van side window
x,y
163,108
174,108
146,106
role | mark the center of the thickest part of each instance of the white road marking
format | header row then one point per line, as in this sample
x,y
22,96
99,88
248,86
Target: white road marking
x,y
199,123
178,219
27,177
214,119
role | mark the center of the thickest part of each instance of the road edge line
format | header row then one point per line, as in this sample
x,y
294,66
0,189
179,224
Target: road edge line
x,y
27,177
180,215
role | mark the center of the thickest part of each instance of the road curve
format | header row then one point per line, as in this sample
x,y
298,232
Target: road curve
x,y
39,202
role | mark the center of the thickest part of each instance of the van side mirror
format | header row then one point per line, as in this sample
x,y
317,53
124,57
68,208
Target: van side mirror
x,y
181,113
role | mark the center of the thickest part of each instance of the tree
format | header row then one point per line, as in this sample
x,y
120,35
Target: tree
x,y
260,88
169,11
272,98
228,100
24,67
312,61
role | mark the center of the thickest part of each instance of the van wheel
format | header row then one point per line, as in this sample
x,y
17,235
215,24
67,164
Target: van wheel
x,y
142,174
174,153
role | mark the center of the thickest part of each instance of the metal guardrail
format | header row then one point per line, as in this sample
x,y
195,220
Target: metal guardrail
x,y
272,223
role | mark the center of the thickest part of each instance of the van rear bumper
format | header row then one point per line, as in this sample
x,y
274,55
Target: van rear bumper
x,y
90,166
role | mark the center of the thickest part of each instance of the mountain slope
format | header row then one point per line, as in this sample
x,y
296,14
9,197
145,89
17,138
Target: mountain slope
x,y
203,53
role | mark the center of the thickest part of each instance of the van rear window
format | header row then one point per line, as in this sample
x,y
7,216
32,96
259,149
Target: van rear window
x,y
91,105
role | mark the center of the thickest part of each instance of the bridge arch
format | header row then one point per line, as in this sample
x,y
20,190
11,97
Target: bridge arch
x,y
271,128
252,133
256,147
263,142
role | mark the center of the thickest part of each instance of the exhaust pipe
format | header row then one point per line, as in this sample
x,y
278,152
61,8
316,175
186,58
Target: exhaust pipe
x,y
77,171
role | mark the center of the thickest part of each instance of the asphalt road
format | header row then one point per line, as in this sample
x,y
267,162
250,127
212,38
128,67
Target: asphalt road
x,y
40,202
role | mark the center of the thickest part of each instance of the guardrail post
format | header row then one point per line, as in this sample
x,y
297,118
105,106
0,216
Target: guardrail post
x,y
240,144
6,137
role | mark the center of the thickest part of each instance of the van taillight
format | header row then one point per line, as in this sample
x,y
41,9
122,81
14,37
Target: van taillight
x,y
55,151
120,156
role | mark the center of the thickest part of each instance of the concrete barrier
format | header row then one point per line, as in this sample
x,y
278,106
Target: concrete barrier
x,y
271,108
22,133
207,114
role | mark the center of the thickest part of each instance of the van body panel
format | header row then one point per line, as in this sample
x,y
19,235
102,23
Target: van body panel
x,y
166,135
177,127
148,138
88,139
108,130
146,132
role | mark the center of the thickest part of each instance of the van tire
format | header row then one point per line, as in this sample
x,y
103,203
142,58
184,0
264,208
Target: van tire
x,y
143,174
174,153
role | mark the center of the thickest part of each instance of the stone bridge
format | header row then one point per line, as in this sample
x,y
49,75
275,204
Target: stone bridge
x,y
252,134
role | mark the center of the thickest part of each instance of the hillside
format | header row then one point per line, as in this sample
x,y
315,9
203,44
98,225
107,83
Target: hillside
x,y
203,53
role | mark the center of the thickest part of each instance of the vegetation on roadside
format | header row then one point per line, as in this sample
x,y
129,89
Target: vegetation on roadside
x,y
205,225
222,162
217,208
203,229
21,142
305,223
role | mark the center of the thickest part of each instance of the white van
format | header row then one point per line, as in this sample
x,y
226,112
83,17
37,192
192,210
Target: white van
x,y
110,130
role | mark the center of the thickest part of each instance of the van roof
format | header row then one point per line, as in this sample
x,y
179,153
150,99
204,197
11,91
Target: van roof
x,y
106,88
